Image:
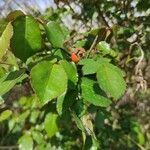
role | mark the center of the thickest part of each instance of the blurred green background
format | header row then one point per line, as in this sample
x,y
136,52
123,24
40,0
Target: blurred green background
x,y
124,126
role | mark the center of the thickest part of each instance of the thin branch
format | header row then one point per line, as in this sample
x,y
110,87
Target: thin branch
x,y
140,58
139,62
92,46
102,15
9,147
70,7
125,9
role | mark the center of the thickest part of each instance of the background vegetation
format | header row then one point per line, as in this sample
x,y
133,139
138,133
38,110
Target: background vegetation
x,y
117,31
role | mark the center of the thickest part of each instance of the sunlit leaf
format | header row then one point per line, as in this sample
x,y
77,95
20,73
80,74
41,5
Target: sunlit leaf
x,y
56,34
89,66
5,40
105,49
5,115
29,40
49,81
26,142
110,80
50,124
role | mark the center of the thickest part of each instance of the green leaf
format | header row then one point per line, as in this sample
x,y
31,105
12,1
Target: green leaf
x,y
80,108
89,66
96,31
60,54
59,104
136,133
100,119
49,81
5,39
81,43
34,116
65,30
66,100
8,81
95,144
26,40
71,72
92,93
50,124
23,116
11,124
10,59
110,80
38,137
26,142
56,34
3,24
105,49
2,72
103,46
5,115
78,122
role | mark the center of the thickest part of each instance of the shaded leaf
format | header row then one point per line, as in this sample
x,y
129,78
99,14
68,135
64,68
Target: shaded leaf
x,y
59,104
8,81
60,54
78,122
66,100
93,94
80,108
71,72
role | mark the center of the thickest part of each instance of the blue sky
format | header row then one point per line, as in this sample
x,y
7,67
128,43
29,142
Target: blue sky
x,y
18,4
